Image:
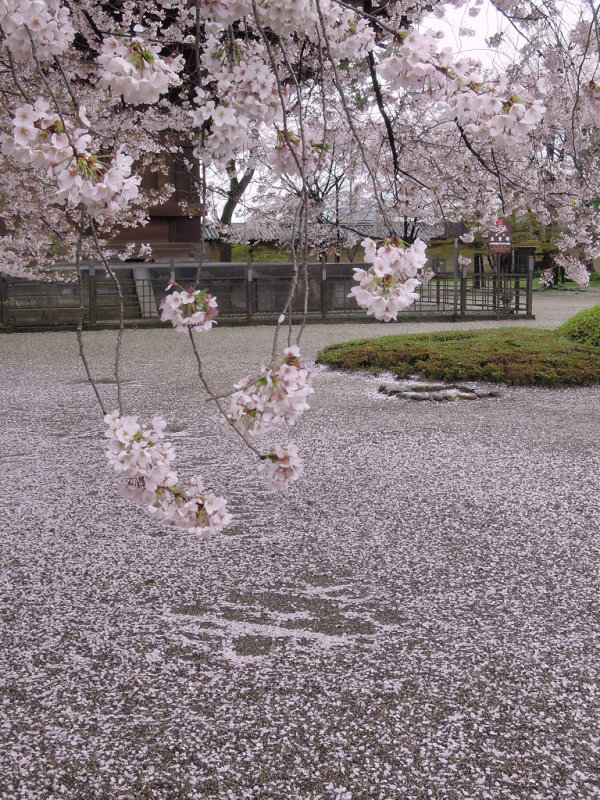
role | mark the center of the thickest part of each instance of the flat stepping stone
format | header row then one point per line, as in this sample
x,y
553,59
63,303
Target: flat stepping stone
x,y
415,395
391,390
429,387
438,393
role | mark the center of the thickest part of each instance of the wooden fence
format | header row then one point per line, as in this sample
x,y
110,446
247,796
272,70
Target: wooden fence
x,y
249,292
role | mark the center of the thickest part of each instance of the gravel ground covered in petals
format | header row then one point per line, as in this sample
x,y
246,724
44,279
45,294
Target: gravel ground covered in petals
x,y
418,617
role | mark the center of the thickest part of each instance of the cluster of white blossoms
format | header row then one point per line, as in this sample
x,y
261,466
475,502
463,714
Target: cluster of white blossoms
x,y
574,268
281,466
286,17
490,112
417,65
224,12
38,137
243,97
189,310
135,69
387,287
547,278
250,88
350,37
276,398
286,156
139,454
228,131
45,23
104,184
492,118
249,98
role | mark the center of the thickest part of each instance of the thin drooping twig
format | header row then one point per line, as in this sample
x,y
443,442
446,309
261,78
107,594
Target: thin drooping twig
x,y
82,354
292,289
111,273
301,167
15,77
303,222
65,78
305,292
216,398
201,254
336,79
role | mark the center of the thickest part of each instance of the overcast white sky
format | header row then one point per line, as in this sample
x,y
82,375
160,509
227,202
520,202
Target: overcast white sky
x,y
486,24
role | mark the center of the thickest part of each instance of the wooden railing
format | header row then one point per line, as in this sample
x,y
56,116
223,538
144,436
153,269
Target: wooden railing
x,y
249,292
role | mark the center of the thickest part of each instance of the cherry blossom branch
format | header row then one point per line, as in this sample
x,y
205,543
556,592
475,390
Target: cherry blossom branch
x,y
291,291
67,83
301,166
304,207
365,14
82,354
117,284
50,90
15,77
344,104
216,398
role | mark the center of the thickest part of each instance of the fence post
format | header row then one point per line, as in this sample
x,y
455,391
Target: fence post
x,y
323,287
455,279
530,265
249,291
497,286
92,294
463,291
3,300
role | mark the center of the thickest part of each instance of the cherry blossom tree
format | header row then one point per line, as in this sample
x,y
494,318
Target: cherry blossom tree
x,y
310,100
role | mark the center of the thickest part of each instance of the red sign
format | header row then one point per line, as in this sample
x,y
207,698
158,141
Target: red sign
x,y
500,241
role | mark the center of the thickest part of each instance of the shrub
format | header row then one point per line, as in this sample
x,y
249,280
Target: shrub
x,y
516,356
583,327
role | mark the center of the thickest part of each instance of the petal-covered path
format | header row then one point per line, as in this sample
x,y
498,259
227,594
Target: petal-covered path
x,y
418,617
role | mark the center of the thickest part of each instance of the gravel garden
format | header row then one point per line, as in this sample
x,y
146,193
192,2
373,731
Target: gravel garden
x,y
418,617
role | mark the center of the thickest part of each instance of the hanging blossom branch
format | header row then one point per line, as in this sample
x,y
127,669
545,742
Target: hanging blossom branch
x,y
117,284
300,163
336,79
304,203
82,354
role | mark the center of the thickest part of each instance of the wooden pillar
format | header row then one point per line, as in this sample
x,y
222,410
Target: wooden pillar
x,y
3,301
249,292
456,279
92,295
497,286
323,287
529,302
463,291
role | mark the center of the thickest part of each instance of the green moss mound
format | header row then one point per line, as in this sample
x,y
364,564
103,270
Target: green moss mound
x,y
515,356
584,327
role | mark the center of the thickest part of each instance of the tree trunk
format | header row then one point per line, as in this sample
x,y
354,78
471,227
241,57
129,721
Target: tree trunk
x,y
236,190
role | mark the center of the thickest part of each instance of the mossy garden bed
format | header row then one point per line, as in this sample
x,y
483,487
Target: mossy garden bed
x,y
584,327
515,356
